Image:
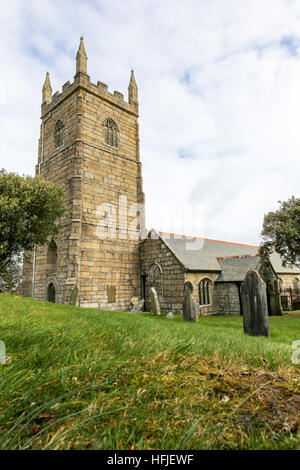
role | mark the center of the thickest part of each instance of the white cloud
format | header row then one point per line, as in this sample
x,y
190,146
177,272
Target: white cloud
x,y
218,83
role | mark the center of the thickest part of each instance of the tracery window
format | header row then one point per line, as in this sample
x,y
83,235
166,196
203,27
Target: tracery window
x,y
111,133
204,287
155,278
59,134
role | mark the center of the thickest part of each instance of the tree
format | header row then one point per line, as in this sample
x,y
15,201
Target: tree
x,y
29,210
10,277
281,232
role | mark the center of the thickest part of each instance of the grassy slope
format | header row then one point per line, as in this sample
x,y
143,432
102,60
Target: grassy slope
x,y
83,378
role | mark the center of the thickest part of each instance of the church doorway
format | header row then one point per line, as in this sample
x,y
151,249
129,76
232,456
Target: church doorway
x,y
144,290
51,293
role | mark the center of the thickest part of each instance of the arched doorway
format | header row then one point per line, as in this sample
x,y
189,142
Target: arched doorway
x,y
51,293
154,278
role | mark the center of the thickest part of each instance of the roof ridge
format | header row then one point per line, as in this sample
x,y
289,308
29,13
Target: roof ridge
x,y
207,239
237,257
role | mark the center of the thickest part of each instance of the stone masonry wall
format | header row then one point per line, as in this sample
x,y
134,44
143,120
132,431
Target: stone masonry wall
x,y
227,299
195,279
104,268
173,277
60,166
288,280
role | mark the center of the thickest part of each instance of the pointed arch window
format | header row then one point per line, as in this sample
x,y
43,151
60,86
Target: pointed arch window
x,y
204,287
111,133
59,134
155,278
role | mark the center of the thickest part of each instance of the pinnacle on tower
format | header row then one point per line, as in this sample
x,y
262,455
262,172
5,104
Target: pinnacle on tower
x,y
132,90
47,90
81,58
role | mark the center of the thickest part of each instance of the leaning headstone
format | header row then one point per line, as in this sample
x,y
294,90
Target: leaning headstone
x,y
170,316
254,305
138,307
190,307
155,308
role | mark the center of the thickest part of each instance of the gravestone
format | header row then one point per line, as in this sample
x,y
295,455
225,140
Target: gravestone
x,y
255,305
138,307
2,353
188,287
155,308
190,307
170,316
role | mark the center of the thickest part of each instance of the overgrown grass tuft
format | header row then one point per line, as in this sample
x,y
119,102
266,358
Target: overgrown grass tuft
x,y
87,379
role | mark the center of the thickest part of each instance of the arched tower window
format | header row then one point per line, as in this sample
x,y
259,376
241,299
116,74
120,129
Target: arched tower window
x,y
52,258
111,133
204,287
59,134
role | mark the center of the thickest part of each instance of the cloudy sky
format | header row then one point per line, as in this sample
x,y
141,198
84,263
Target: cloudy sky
x,y
219,91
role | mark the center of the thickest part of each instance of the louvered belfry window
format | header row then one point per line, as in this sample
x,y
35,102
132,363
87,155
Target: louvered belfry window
x,y
111,136
59,134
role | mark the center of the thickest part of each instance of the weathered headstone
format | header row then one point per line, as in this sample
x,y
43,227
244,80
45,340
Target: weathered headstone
x,y
170,316
155,308
188,287
138,307
255,306
2,353
190,307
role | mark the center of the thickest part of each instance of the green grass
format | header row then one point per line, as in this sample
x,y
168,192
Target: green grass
x,y
87,379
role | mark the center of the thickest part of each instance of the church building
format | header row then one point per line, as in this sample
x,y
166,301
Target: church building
x,y
103,256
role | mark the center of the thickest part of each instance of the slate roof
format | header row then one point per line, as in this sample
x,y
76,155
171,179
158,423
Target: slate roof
x,y
200,254
235,269
204,258
277,265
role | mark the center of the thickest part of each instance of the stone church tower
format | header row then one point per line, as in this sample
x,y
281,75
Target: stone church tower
x,y
89,143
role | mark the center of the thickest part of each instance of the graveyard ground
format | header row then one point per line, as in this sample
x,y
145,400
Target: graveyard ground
x,y
86,379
